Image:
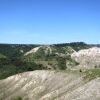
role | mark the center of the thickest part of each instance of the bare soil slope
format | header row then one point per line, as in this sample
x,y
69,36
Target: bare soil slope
x,y
49,85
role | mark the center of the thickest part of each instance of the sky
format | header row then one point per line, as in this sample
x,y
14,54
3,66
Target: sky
x,y
49,21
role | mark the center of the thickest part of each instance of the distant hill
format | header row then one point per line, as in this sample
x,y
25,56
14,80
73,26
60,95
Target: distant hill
x,y
11,50
17,58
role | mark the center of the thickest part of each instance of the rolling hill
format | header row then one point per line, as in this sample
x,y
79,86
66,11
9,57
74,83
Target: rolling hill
x,y
69,71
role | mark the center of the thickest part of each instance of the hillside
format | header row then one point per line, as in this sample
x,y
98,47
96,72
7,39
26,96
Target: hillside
x,y
21,58
11,50
11,61
69,71
88,58
57,56
51,85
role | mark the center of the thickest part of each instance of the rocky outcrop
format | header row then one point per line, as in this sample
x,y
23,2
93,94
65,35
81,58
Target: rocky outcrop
x,y
88,58
32,51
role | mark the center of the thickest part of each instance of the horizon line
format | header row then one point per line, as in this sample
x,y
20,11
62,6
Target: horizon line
x,y
48,43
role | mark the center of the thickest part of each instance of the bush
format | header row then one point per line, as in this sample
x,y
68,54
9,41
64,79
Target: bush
x,y
17,98
62,63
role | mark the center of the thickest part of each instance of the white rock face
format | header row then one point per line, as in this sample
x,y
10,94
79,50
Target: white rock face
x,y
88,58
32,51
49,85
46,49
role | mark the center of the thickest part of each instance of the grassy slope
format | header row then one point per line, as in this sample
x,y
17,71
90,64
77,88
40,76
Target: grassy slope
x,y
92,74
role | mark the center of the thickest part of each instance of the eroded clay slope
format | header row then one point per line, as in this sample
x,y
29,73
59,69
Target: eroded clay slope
x,y
88,58
49,85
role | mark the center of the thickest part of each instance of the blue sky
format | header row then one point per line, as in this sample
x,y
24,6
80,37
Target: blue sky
x,y
49,21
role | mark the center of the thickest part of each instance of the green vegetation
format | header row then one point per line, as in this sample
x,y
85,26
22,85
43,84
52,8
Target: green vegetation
x,y
17,98
61,63
75,45
11,68
15,65
13,61
11,50
92,74
53,57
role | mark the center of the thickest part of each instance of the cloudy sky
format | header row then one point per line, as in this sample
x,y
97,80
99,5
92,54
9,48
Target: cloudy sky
x,y
49,21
